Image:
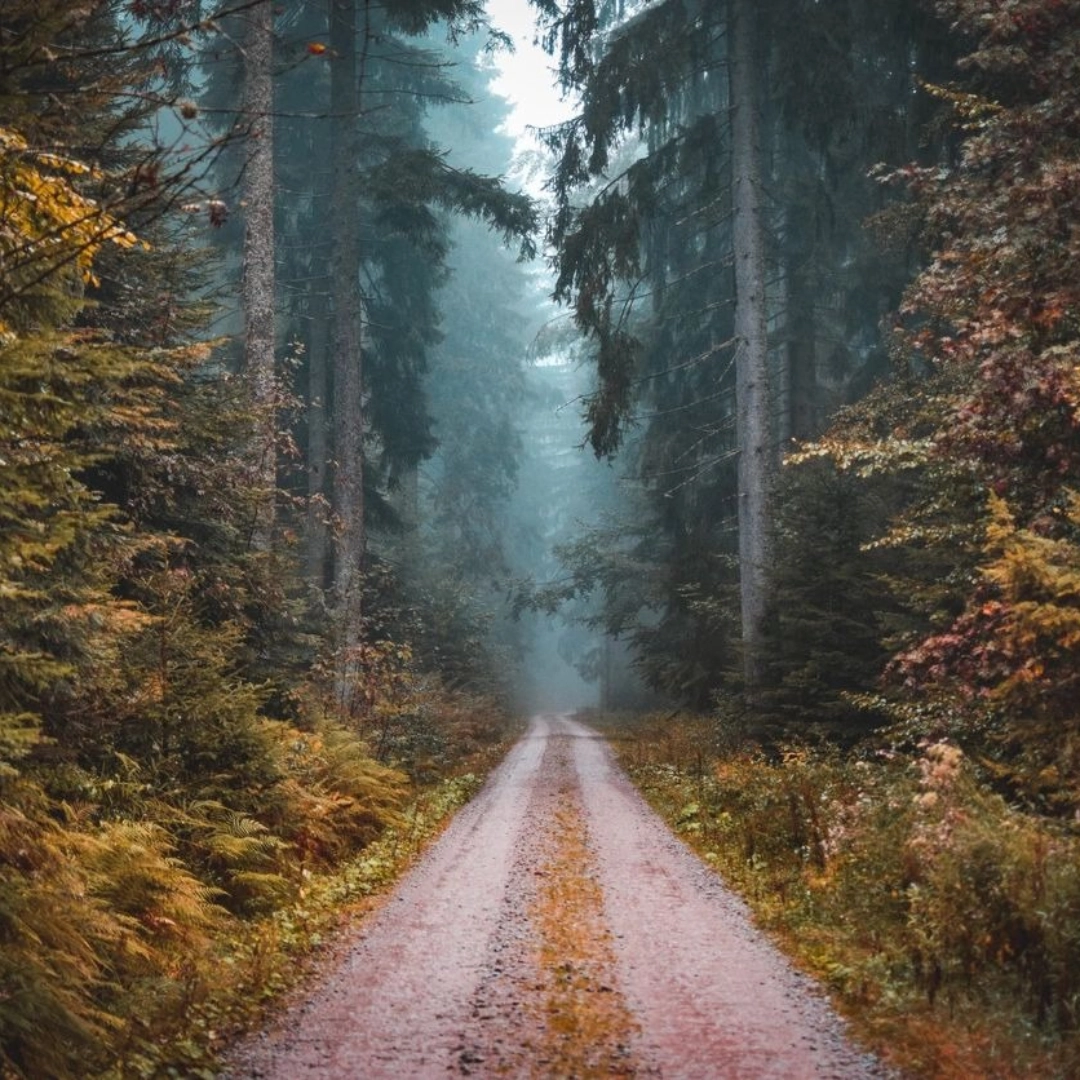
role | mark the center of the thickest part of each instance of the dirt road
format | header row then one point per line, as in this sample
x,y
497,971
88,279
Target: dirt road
x,y
558,930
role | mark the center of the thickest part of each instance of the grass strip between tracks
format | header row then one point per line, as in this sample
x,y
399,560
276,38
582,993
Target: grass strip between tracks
x,y
589,1027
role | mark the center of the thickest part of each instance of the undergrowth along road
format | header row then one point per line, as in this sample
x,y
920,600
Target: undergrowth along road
x,y
558,929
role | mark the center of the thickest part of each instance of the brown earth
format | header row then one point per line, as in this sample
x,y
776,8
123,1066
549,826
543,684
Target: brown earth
x,y
558,929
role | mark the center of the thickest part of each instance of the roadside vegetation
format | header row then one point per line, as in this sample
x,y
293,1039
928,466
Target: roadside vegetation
x,y
140,940
207,758
243,976
944,921
259,448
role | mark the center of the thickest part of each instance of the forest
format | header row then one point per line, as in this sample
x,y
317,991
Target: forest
x,y
340,429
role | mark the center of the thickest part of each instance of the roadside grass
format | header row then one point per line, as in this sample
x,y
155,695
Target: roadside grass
x,y
944,923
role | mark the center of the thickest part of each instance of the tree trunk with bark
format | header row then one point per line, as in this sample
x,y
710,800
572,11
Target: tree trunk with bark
x,y
753,428
258,274
348,313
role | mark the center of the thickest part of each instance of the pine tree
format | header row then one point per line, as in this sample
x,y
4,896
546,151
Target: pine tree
x,y
648,257
392,190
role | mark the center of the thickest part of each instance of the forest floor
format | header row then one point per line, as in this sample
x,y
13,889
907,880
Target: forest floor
x,y
557,929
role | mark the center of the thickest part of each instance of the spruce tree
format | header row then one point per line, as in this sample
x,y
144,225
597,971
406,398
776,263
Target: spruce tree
x,y
380,220
980,420
649,181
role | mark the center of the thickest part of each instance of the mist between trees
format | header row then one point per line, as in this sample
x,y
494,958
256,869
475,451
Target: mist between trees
x,y
326,448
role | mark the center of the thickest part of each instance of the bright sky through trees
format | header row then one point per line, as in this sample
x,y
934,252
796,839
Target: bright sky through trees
x,y
527,76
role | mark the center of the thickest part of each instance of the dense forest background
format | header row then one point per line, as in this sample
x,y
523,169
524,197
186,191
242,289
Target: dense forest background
x,y
299,443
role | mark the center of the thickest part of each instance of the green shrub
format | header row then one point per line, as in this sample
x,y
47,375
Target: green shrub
x,y
903,882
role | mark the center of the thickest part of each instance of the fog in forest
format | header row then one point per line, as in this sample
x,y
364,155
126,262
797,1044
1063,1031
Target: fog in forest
x,y
359,398
513,336
510,480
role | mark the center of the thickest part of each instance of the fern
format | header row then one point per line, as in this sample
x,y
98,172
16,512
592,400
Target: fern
x,y
54,944
238,852
335,797
131,868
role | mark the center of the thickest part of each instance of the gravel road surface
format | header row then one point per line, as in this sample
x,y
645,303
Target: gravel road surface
x,y
557,929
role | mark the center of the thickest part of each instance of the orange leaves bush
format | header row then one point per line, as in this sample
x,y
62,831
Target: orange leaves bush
x,y
902,880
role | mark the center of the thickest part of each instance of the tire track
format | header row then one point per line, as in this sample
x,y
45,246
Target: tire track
x,y
557,929
401,1002
714,999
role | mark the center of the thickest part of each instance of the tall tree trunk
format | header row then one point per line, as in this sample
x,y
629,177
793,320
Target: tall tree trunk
x,y
318,441
347,350
751,331
258,274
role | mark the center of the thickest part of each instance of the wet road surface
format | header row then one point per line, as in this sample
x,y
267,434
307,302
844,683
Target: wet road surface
x,y
558,929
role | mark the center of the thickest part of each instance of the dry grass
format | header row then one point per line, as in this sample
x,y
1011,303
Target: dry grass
x,y
942,921
589,1026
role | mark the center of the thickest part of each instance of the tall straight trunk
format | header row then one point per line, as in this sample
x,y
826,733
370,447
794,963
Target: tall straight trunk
x,y
317,552
347,345
751,331
258,275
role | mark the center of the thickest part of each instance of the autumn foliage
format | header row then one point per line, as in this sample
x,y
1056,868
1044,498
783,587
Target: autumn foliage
x,y
175,777
979,431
